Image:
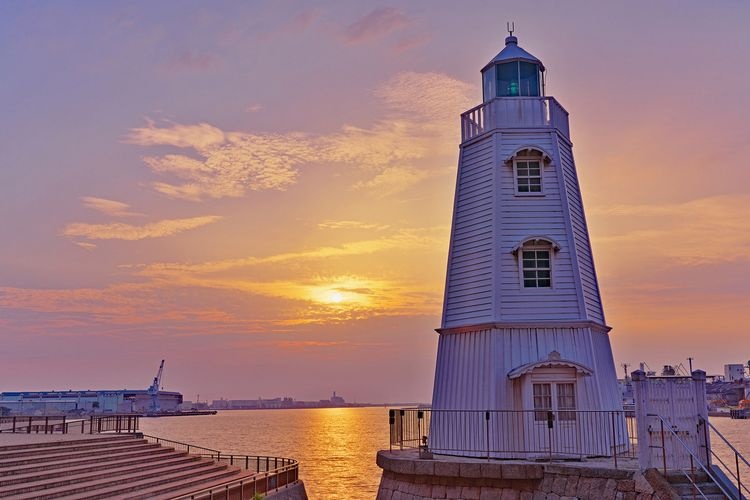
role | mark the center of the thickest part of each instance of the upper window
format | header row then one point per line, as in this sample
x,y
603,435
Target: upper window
x,y
536,265
527,169
528,176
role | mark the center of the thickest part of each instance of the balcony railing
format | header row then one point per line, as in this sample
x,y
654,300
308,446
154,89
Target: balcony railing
x,y
530,435
514,112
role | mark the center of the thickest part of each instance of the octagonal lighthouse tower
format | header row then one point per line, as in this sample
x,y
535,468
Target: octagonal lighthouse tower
x,y
523,326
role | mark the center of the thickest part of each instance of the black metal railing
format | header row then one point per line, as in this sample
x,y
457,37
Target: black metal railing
x,y
271,474
63,424
519,434
186,447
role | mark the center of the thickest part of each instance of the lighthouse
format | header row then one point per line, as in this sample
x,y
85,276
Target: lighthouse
x,y
523,328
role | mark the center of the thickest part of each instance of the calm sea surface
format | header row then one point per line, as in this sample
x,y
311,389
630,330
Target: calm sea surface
x,y
335,446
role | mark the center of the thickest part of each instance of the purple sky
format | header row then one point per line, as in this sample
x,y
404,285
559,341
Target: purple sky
x,y
260,192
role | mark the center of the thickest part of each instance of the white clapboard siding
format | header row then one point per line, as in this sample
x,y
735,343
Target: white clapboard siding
x,y
472,367
520,217
468,295
589,284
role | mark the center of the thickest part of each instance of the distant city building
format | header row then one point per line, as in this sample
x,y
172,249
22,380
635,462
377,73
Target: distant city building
x,y
734,372
97,401
275,403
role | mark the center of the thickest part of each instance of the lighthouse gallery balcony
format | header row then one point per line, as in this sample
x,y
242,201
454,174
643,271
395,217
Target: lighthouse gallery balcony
x,y
515,112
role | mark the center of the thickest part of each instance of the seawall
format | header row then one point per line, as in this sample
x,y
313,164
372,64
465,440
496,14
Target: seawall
x,y
406,477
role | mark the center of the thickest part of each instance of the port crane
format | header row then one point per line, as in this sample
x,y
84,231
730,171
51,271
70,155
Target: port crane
x,y
154,389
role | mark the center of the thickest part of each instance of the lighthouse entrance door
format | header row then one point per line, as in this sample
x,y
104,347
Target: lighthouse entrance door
x,y
555,421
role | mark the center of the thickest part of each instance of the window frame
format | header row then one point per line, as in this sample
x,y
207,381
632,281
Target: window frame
x,y
527,159
536,245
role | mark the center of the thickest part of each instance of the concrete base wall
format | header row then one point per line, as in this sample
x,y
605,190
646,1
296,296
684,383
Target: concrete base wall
x,y
294,492
406,477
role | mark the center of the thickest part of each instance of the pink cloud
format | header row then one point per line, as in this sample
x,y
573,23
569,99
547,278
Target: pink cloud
x,y
378,23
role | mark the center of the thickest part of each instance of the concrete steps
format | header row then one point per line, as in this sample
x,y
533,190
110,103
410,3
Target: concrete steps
x,y
122,466
685,489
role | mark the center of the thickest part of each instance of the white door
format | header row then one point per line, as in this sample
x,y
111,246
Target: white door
x,y
555,428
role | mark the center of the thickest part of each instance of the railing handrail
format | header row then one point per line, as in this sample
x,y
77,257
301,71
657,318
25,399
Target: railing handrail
x,y
693,458
737,456
727,442
258,475
188,445
51,424
492,114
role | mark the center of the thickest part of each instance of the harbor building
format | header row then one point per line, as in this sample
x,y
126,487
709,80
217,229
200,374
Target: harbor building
x,y
88,401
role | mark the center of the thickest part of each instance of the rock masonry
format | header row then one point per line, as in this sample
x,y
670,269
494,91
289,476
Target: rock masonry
x,y
406,477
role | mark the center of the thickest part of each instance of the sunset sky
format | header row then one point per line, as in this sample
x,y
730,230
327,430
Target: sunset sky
x,y
261,192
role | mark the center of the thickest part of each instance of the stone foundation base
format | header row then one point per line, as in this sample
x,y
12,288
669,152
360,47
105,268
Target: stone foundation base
x,y
406,477
294,492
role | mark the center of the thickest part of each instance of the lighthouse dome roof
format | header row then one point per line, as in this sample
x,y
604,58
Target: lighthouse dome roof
x,y
512,52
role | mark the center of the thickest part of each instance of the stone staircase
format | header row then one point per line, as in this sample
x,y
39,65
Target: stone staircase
x,y
105,466
685,489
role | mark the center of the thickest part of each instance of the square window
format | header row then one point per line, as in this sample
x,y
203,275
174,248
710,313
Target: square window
x,y
536,268
528,176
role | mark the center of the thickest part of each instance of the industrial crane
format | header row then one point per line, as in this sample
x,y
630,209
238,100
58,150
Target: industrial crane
x,y
154,389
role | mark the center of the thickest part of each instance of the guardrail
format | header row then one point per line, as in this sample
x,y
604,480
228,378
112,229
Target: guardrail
x,y
271,475
519,434
666,429
514,112
186,447
62,424
734,470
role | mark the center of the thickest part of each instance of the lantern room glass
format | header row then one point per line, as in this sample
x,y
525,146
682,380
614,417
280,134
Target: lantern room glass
x,y
515,79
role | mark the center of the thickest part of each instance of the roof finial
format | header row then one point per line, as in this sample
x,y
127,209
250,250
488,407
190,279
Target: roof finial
x,y
511,26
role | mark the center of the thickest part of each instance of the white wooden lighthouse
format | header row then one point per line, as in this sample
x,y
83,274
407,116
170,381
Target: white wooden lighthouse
x,y
523,326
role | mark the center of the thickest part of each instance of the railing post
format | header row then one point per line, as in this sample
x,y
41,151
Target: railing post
x,y
614,439
737,465
401,429
487,432
14,425
663,448
64,426
91,424
391,427
28,431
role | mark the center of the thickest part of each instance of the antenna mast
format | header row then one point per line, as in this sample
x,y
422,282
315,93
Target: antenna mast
x,y
511,27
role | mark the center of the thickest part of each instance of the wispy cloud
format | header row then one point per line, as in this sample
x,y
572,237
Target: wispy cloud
x,y
351,224
403,240
420,124
119,231
393,180
697,232
200,136
109,207
376,24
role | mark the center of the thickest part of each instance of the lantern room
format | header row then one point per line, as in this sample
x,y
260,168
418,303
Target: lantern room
x,y
513,73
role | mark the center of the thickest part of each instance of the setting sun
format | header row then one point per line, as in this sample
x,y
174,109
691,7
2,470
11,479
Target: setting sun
x,y
335,297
